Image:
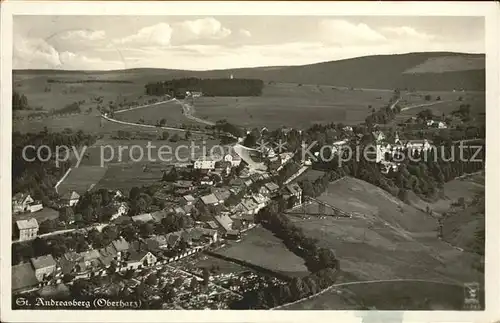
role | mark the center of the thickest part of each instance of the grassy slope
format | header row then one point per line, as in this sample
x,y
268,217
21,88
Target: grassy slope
x,y
387,239
262,248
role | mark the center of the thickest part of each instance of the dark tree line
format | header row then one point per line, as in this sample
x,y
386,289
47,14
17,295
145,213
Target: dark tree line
x,y
38,177
19,101
322,263
209,87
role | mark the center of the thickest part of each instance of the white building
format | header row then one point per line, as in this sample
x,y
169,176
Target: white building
x,y
204,163
438,124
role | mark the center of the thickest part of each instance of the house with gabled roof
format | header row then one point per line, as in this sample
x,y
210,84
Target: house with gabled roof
x,y
224,221
159,215
44,266
212,225
209,199
294,190
173,239
187,200
70,198
145,217
27,229
22,202
221,194
378,136
139,259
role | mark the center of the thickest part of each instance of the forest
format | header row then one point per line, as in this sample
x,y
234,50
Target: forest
x,y
209,87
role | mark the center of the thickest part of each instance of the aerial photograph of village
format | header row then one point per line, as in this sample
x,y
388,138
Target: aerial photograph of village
x,y
248,162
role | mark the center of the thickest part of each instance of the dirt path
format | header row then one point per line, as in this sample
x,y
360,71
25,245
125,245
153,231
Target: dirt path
x,y
188,111
151,126
423,105
332,287
144,106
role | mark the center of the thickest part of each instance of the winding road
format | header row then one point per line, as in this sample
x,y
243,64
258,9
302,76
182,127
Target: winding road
x,y
332,287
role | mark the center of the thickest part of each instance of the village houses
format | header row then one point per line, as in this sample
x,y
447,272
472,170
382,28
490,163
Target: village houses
x,y
25,203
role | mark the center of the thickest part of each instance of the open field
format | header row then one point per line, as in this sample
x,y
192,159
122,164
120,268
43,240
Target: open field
x,y
62,94
88,123
127,170
81,179
386,239
293,106
391,295
281,104
466,187
170,111
449,103
223,266
262,248
136,151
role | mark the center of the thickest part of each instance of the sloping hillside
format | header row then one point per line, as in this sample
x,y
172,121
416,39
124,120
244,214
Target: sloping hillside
x,y
385,238
421,71
354,195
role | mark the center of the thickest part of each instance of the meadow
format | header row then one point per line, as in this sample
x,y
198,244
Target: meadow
x,y
260,247
128,169
81,179
386,239
170,111
292,105
397,295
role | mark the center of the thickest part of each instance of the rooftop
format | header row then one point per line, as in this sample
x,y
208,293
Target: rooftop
x,y
145,217
43,262
209,199
27,224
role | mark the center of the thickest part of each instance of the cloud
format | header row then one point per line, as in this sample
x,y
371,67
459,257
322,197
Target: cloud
x,y
199,29
34,53
37,53
245,33
83,34
164,34
405,31
346,33
159,34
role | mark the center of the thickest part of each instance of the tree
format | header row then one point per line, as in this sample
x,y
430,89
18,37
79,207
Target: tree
x,y
152,280
175,138
165,135
194,284
250,140
134,193
187,136
206,276
297,288
162,122
66,214
146,229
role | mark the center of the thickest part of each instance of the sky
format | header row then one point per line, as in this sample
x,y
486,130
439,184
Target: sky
x,y
225,42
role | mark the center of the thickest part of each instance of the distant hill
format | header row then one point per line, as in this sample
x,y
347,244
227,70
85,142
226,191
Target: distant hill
x,y
421,71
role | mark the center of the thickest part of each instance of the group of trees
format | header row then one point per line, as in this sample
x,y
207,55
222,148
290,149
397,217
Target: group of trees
x,y
226,127
209,87
19,101
36,177
322,263
383,115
